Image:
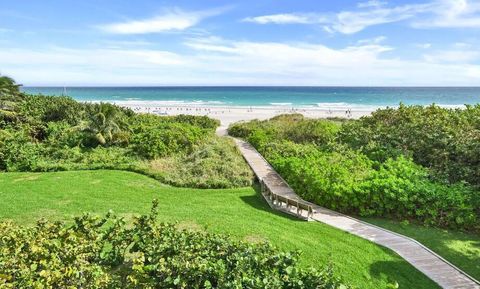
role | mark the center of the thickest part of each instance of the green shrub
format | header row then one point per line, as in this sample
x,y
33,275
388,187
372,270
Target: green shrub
x,y
106,253
446,141
346,181
215,163
292,127
200,121
401,189
367,167
243,129
48,133
61,134
330,179
18,153
165,139
40,108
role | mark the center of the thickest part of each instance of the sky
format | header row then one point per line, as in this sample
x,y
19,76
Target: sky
x,y
248,42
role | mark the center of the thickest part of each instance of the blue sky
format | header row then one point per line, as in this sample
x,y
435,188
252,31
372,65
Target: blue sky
x,y
283,42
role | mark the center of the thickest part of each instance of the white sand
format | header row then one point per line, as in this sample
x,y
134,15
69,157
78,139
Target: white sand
x,y
230,114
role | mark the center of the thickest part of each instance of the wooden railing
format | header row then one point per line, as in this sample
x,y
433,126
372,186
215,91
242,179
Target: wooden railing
x,y
285,202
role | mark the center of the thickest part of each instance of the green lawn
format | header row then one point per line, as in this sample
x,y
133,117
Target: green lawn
x,y
241,213
461,249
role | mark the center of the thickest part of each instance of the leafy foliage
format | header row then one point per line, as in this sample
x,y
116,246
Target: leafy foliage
x,y
9,94
369,168
48,133
104,252
212,164
444,140
153,137
293,127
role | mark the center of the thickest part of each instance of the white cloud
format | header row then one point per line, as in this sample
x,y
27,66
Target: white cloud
x,y
474,72
453,56
316,64
437,13
72,59
216,61
462,45
288,18
371,3
376,40
174,20
347,22
424,45
452,14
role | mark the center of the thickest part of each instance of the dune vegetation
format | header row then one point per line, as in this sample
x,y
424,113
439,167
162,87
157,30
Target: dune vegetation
x,y
393,168
46,133
396,163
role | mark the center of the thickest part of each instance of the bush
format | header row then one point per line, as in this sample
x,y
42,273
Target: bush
x,y
292,127
18,153
165,139
200,121
446,141
401,189
47,133
367,167
346,181
327,178
106,253
215,163
39,108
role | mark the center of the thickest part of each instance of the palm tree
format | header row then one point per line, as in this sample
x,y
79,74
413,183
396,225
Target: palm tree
x,y
8,86
9,93
105,124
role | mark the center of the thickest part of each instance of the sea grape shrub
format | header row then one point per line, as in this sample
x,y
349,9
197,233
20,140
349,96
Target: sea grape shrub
x,y
18,152
445,140
319,132
369,171
153,138
104,252
44,109
200,121
243,129
61,135
401,189
292,127
327,178
347,181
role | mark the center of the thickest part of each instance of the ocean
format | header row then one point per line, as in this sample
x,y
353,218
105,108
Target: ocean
x,y
308,97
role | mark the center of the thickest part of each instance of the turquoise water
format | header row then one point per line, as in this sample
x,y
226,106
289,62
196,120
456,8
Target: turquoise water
x,y
321,97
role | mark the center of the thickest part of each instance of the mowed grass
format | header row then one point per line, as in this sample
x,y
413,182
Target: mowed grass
x,y
241,213
461,249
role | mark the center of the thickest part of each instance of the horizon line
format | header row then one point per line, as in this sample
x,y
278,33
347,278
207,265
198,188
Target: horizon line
x,y
249,86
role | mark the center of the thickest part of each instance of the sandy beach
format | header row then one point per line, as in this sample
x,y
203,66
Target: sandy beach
x,y
230,114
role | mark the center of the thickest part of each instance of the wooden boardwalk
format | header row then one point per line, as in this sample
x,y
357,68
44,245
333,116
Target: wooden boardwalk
x,y
429,263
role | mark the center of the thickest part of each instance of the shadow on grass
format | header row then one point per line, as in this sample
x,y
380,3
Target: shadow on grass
x,y
384,269
258,202
461,249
